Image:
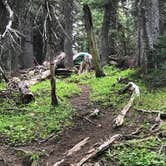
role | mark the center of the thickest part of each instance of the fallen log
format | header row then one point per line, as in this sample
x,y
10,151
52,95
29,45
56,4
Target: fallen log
x,y
46,73
135,93
94,152
15,84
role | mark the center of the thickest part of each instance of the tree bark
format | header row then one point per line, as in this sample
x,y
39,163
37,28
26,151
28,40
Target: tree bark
x,y
26,28
92,42
104,43
162,10
3,17
68,29
107,41
148,32
50,52
27,43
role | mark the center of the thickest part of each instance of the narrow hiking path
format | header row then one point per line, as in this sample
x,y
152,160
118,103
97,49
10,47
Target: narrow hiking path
x,y
95,130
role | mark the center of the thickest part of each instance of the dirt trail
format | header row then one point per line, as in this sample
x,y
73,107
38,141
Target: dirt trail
x,y
83,129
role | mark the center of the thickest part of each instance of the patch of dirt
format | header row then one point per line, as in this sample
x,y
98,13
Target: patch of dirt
x,y
97,129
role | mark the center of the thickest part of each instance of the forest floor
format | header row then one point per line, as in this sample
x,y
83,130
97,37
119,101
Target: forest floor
x,y
101,129
97,129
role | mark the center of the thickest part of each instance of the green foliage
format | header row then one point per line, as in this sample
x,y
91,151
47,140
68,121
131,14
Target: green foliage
x,y
2,85
152,100
163,127
104,91
134,156
135,153
26,123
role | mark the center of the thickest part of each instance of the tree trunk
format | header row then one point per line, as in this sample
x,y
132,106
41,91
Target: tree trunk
x,y
113,27
107,42
69,29
50,52
3,17
26,28
27,43
162,9
92,41
104,43
148,32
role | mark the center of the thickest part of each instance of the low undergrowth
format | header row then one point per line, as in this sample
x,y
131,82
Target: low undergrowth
x,y
2,85
105,90
37,120
135,153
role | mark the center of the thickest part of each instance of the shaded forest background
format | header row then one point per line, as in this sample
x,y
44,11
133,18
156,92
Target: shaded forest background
x,y
131,29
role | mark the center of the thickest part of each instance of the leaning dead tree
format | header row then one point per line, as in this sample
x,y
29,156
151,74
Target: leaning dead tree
x,y
92,41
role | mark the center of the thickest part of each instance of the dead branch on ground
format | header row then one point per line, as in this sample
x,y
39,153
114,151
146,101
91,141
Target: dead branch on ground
x,y
162,114
135,94
94,152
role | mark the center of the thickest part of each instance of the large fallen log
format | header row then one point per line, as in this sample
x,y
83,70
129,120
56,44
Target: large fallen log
x,y
46,73
135,94
15,84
